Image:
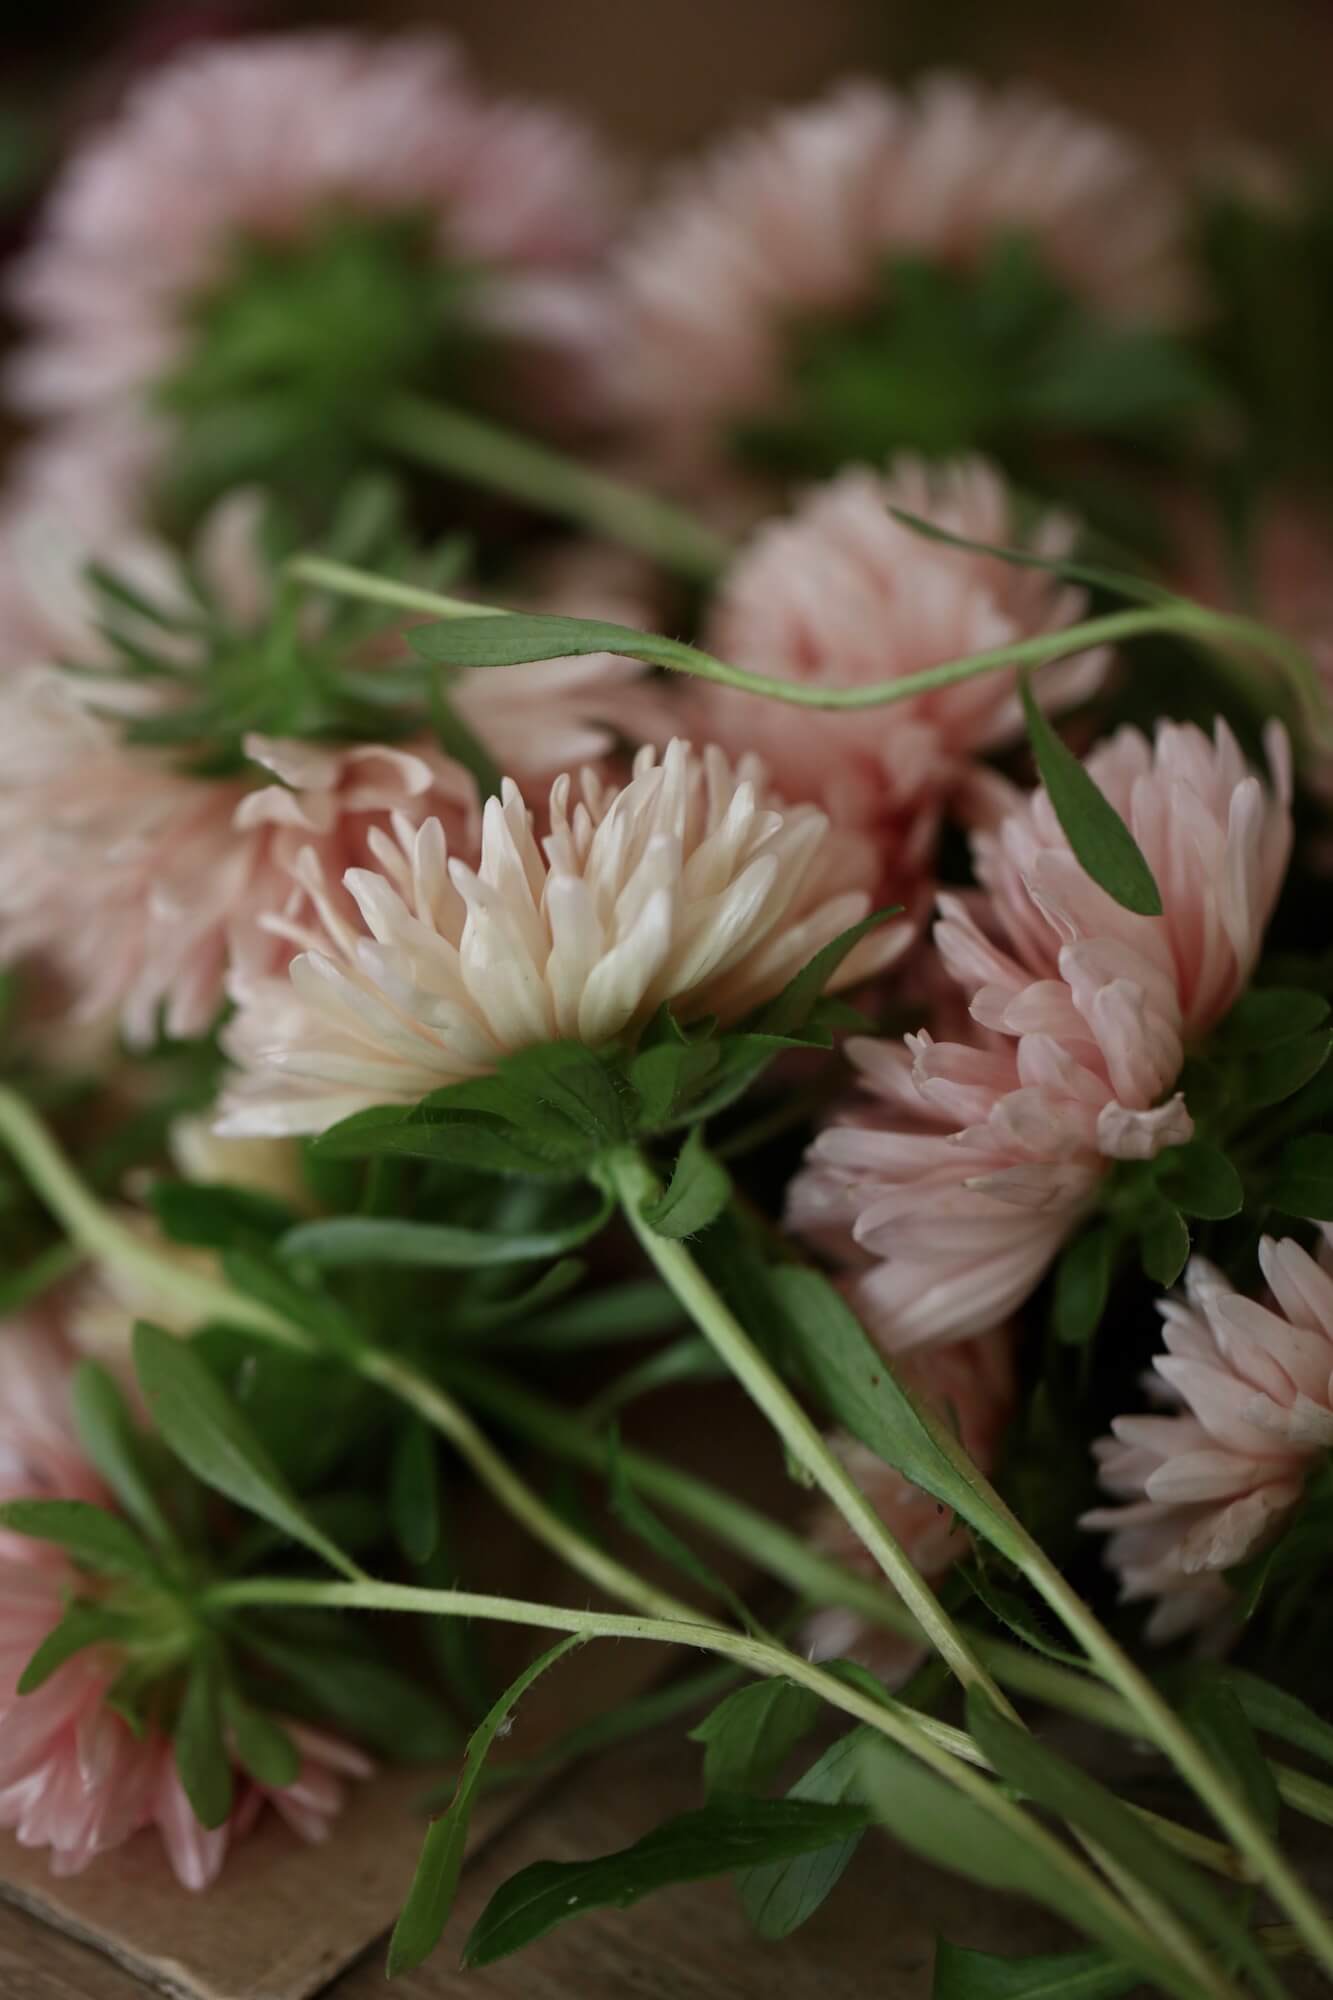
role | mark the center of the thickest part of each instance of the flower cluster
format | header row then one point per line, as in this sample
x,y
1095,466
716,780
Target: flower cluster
x,y
518,717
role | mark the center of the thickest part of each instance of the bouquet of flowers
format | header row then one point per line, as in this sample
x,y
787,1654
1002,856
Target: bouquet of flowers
x,y
732,791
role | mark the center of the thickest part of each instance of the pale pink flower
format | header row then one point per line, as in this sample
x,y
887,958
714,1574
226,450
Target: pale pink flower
x,y
262,139
1202,1489
842,595
73,1775
690,886
139,882
956,1182
793,223
972,1385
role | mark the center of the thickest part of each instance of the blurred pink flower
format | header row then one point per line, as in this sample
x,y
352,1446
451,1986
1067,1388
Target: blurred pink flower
x,y
73,1775
1203,1489
841,595
261,138
690,886
139,882
972,1384
794,221
955,1183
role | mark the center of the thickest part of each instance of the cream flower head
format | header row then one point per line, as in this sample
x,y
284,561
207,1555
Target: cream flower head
x,y
688,887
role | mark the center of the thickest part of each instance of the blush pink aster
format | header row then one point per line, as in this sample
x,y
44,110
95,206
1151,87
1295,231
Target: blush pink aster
x,y
967,1164
1201,1489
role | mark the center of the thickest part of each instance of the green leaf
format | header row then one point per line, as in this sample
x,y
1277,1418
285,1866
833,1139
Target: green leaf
x,y
414,1495
375,1703
1217,1717
472,1142
1303,1184
1272,1074
749,1736
365,1239
1014,1611
699,1190
108,1434
1199,1180
934,1819
509,639
262,1277
639,1309
860,1389
1270,1014
218,1217
779,1896
82,1625
961,1974
1164,1243
666,1077
201,1753
1082,1285
1271,1709
1102,843
792,1008
262,1746
95,1539
435,1883
208,1433
1049,1780
731,1833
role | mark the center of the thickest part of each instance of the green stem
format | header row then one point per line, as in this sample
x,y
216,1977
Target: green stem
x,y
1186,620
947,1751
1160,1724
485,454
101,1236
635,1184
106,1239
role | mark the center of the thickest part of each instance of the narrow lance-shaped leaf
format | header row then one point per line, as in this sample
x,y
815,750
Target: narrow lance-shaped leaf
x,y
729,1834
780,1896
93,1537
351,1240
699,1190
1103,844
1062,1975
108,1435
207,1432
201,1753
749,1736
435,1883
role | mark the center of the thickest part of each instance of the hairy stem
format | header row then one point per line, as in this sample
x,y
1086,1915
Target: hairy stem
x,y
485,454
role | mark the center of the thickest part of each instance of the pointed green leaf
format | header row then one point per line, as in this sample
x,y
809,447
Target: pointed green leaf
x,y
95,1539
729,1834
1164,1243
792,1008
201,1754
860,1389
262,1746
749,1736
1102,843
414,1495
1082,1285
699,1190
435,1883
208,1433
82,1625
1218,1718
1199,1180
1065,1975
779,1897
346,1240
108,1434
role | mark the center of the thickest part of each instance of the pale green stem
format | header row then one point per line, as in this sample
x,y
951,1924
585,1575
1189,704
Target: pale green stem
x,y
1186,620
947,1751
635,1184
104,1238
485,454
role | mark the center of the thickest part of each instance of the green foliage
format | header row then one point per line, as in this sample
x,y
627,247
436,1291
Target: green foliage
x,y
435,1883
1103,844
201,1752
750,1735
206,1429
1303,1184
729,1834
779,1896
1067,1975
94,1539
699,1190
